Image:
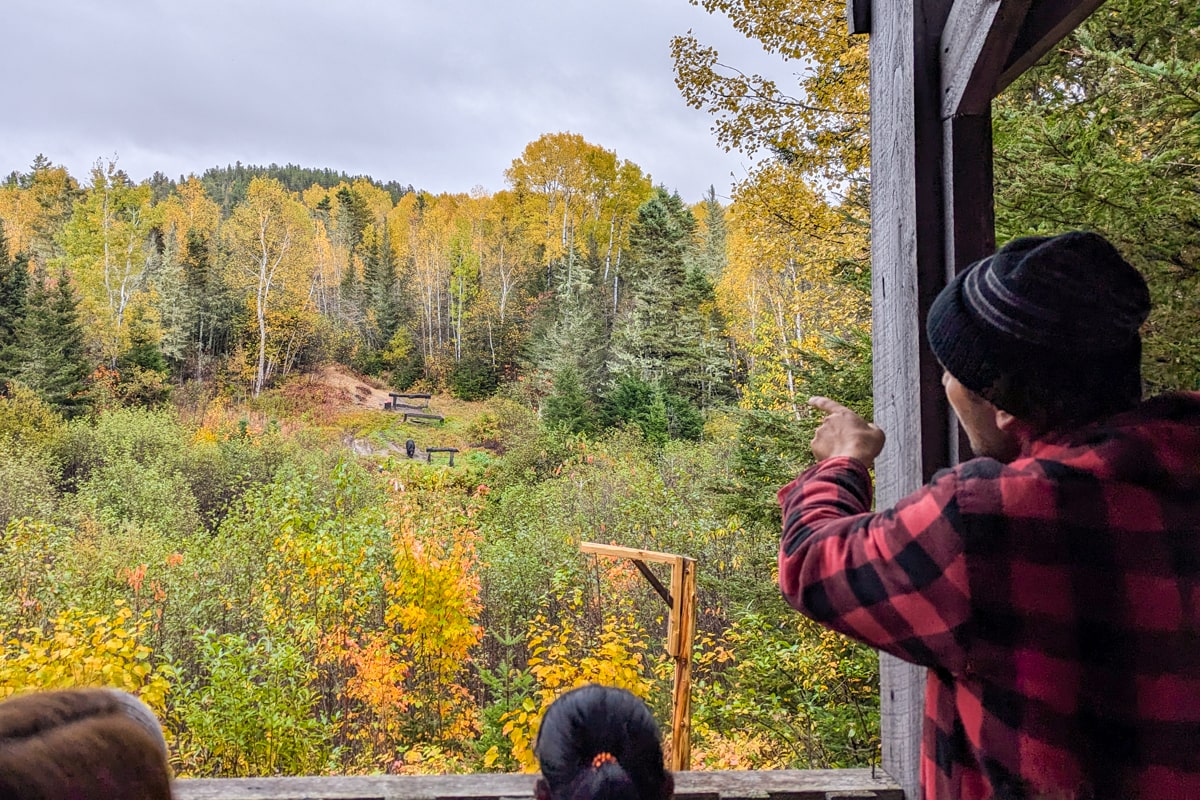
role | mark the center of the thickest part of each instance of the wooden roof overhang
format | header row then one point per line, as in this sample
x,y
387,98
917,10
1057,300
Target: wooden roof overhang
x,y
935,67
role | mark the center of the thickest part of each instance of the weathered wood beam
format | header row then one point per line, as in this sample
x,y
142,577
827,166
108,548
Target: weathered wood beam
x,y
969,215
976,42
1046,24
907,257
718,785
616,551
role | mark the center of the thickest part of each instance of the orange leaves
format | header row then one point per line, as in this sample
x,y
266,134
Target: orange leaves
x,y
134,577
379,675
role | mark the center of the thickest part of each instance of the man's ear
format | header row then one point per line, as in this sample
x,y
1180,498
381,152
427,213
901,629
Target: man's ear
x,y
541,789
1005,421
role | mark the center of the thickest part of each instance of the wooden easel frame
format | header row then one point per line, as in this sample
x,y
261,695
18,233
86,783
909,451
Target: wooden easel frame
x,y
681,630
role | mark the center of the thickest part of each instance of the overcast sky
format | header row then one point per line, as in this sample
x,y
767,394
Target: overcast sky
x,y
440,94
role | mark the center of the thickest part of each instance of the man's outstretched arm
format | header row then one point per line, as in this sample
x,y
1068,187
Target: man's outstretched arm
x,y
897,580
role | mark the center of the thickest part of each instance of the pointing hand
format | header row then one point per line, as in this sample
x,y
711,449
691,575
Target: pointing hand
x,y
844,433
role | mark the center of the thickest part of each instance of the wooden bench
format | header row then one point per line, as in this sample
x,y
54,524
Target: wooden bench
x,y
417,415
397,396
429,451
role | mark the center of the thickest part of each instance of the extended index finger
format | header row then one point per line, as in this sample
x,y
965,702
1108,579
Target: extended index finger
x,y
828,406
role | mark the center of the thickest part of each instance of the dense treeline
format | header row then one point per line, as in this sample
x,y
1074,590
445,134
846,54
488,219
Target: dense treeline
x,y
183,499
227,185
589,282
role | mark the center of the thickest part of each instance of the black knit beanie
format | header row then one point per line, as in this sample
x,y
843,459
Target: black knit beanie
x,y
1065,310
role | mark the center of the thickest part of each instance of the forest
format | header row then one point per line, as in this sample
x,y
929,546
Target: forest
x,y
202,499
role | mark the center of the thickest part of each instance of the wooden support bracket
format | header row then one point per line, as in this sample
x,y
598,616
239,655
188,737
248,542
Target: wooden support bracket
x,y
681,630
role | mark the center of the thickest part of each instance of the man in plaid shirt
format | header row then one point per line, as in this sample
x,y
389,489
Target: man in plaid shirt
x,y
1052,583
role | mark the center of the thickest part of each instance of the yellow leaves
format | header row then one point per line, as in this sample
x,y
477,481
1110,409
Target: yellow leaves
x,y
570,189
821,123
564,660
86,650
781,290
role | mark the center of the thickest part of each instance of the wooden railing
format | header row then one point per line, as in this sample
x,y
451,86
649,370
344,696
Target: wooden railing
x,y
827,784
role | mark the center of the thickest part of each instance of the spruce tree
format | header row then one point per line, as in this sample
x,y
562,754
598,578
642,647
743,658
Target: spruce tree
x,y
14,284
575,338
664,333
379,280
569,406
712,256
144,351
50,352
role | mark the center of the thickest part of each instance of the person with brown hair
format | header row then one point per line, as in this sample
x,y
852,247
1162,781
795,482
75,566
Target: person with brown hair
x,y
600,743
81,744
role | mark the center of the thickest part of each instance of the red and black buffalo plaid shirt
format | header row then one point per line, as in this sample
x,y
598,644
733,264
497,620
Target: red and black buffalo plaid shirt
x,y
1056,601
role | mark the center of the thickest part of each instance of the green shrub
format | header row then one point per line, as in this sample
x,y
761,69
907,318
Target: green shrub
x,y
250,711
143,436
809,691
27,479
27,420
29,589
127,494
473,379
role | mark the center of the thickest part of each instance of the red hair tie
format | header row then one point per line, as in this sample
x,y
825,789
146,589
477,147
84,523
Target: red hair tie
x,y
603,758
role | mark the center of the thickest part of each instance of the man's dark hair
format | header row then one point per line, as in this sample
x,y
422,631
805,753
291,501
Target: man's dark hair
x,y
1070,395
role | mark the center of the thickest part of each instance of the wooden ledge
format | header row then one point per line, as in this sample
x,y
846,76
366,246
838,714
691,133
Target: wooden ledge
x,y
818,784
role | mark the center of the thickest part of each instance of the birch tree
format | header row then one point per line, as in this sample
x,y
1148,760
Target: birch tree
x,y
268,238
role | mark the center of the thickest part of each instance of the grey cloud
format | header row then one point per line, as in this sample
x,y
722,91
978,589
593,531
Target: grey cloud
x,y
442,94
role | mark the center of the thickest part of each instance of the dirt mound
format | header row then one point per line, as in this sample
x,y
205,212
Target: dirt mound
x,y
363,392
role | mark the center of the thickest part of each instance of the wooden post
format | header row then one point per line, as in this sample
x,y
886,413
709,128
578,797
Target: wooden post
x,y
681,631
907,257
684,609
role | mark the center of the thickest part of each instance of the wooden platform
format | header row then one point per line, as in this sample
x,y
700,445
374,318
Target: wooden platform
x,y
842,784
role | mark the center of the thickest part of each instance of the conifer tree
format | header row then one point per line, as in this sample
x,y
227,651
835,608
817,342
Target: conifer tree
x,y
713,255
144,351
569,406
198,310
644,331
662,334
575,339
14,284
49,354
383,287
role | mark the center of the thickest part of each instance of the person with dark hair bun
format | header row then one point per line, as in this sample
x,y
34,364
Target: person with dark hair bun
x,y
81,744
600,743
